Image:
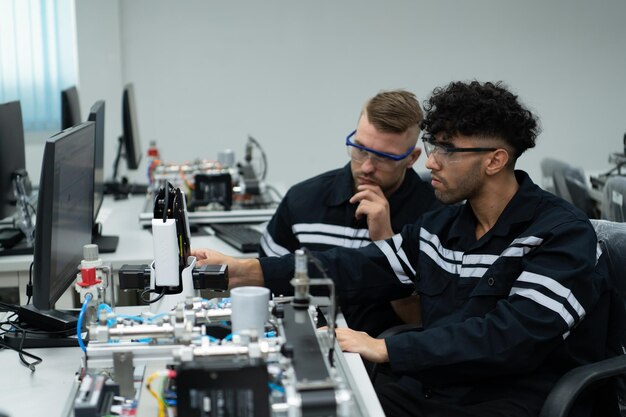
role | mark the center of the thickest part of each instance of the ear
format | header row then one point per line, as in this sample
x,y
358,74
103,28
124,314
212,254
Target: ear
x,y
497,161
413,156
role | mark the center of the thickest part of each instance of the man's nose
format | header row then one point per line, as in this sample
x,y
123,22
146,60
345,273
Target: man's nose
x,y
431,162
368,165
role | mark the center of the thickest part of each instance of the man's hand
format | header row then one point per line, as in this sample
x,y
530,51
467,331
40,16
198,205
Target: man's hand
x,y
374,205
240,271
374,350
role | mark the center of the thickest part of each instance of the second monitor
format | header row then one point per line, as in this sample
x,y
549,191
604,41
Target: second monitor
x,y
129,148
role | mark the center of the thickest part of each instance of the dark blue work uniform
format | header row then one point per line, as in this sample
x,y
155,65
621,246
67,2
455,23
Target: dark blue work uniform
x,y
504,316
317,214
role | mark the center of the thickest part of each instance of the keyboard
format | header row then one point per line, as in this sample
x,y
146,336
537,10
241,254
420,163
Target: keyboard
x,y
240,236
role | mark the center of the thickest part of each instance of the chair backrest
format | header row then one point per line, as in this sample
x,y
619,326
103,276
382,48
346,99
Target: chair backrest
x,y
548,166
612,237
613,204
580,194
554,173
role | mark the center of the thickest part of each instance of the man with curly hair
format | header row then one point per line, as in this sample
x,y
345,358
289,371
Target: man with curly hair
x,y
511,282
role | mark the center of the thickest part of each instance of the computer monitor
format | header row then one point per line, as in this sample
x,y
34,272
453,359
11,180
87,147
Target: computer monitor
x,y
106,244
129,148
96,115
70,108
64,223
12,155
132,142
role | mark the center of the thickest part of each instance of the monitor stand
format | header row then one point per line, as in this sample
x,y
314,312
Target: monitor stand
x,y
39,340
121,190
106,244
47,328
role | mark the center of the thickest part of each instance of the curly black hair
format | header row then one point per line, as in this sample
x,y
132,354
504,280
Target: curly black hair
x,y
475,109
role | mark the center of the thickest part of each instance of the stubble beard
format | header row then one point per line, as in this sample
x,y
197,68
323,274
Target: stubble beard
x,y
464,190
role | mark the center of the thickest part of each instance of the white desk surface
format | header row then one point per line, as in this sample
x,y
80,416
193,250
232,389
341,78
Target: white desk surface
x,y
44,392
49,390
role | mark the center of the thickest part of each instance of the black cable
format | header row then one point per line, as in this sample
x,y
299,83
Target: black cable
x,y
275,190
29,286
17,327
20,350
22,353
263,156
151,291
4,331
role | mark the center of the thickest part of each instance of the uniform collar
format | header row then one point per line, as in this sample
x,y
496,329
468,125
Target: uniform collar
x,y
522,206
342,188
520,209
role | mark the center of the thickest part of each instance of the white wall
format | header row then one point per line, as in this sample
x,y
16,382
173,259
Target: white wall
x,y
295,74
100,67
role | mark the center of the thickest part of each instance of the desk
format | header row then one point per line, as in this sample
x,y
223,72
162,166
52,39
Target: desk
x,y
50,389
47,391
118,217
44,392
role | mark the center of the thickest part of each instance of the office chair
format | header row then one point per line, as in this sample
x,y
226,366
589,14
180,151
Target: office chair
x,y
580,194
548,167
554,172
613,204
612,371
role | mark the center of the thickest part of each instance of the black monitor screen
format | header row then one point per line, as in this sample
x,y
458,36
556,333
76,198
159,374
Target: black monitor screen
x,y
12,157
70,108
96,115
132,143
64,212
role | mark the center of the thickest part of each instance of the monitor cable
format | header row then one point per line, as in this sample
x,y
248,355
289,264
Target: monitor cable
x,y
29,286
263,156
21,352
15,327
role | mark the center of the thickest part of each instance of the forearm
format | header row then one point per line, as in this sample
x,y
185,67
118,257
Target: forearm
x,y
240,271
244,272
380,231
